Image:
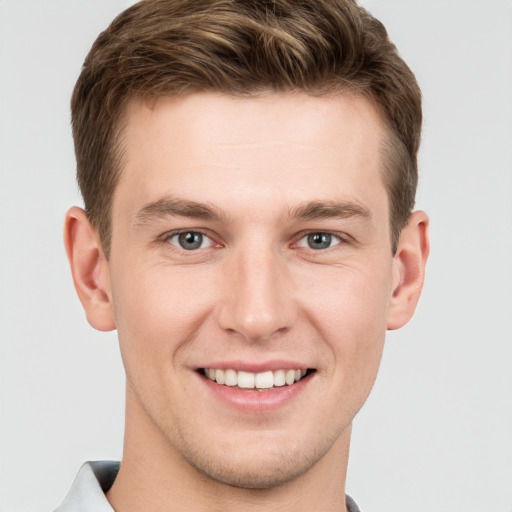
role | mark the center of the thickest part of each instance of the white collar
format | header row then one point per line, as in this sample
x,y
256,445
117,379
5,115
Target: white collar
x,y
87,494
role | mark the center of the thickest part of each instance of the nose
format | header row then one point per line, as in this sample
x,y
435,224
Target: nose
x,y
258,300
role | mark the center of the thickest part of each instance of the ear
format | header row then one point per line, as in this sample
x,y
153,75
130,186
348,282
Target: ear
x,y
409,270
89,268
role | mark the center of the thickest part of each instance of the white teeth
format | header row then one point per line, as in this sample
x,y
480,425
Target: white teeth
x,y
290,377
264,380
279,378
245,380
230,378
219,376
249,380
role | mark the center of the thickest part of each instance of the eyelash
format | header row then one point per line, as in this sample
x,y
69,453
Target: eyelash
x,y
339,238
332,237
169,236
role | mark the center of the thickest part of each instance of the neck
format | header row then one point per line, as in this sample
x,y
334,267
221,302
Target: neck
x,y
154,476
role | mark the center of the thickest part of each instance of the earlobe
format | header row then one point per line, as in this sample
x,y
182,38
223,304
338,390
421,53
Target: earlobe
x,y
89,268
409,270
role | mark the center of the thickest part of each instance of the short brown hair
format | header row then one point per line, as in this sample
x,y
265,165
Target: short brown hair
x,y
171,47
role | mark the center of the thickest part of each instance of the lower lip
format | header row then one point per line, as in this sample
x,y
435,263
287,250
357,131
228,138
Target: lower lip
x,y
253,400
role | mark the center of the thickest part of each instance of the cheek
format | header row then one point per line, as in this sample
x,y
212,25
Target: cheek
x,y
349,298
349,308
157,311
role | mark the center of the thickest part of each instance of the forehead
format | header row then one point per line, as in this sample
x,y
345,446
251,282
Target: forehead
x,y
286,147
216,117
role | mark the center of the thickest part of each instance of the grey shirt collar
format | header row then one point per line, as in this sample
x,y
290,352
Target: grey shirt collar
x,y
87,494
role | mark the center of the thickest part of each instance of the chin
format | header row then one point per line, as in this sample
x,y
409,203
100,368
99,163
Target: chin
x,y
254,474
262,465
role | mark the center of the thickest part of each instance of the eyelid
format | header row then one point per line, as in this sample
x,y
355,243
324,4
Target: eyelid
x,y
342,238
167,236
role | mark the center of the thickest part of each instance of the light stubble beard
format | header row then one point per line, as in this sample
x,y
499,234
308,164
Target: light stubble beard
x,y
280,467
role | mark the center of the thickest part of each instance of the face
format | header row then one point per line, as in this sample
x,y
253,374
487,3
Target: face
x,y
250,275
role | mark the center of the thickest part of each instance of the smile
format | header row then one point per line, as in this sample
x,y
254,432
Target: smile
x,y
247,380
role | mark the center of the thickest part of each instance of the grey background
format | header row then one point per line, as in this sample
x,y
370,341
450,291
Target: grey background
x,y
436,433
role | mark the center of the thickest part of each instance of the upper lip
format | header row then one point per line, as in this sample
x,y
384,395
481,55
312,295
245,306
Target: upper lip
x,y
256,367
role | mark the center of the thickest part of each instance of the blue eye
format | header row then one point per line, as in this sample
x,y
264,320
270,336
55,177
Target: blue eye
x,y
190,240
319,241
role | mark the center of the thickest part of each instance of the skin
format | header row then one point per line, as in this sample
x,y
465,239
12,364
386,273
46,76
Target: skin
x,y
255,177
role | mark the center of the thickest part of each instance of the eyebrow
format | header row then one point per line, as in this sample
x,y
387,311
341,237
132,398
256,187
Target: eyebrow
x,y
176,208
312,210
330,209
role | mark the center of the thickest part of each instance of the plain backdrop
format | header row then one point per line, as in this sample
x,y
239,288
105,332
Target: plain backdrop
x,y
436,433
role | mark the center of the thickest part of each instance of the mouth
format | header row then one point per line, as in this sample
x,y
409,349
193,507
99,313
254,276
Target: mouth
x,y
262,381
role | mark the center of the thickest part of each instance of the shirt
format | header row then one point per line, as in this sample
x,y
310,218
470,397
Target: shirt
x,y
87,494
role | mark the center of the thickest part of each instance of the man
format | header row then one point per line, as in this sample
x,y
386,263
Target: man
x,y
248,171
